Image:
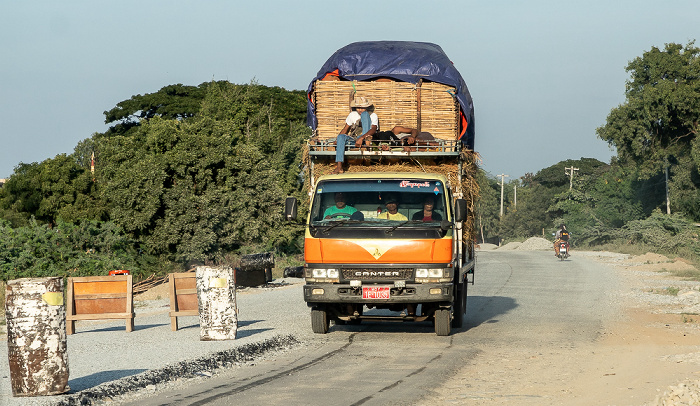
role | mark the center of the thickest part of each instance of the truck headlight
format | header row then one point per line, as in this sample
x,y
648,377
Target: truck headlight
x,y
325,273
427,275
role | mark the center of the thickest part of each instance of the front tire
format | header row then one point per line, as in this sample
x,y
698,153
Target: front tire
x,y
442,322
319,321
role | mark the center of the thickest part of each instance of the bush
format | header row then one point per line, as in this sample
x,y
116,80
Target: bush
x,y
90,248
659,233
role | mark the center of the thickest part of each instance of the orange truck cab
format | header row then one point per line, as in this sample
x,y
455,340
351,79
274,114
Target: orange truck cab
x,y
362,256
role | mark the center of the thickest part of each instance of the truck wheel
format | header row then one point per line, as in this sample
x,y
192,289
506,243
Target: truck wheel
x,y
460,305
319,321
442,322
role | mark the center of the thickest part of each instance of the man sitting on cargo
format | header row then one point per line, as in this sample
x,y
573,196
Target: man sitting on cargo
x,y
427,214
388,139
392,210
359,121
340,209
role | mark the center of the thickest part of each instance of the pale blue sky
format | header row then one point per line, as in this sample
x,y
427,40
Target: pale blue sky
x,y
543,74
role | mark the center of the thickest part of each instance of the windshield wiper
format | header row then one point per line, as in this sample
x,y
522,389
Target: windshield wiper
x,y
336,223
389,231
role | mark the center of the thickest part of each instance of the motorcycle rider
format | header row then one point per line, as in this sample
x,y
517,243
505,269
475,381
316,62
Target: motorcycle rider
x,y
561,235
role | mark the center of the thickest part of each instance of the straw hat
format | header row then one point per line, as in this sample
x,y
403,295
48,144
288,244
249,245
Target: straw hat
x,y
360,101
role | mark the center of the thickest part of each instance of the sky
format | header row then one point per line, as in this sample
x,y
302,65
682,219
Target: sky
x,y
543,74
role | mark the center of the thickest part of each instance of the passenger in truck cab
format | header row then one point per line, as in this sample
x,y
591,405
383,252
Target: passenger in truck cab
x,y
392,210
428,213
360,126
340,209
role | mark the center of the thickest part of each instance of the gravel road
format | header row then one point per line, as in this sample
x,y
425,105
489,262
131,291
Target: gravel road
x,y
107,363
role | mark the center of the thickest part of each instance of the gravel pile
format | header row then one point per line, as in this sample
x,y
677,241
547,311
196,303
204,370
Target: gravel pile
x,y
536,244
531,244
684,394
199,367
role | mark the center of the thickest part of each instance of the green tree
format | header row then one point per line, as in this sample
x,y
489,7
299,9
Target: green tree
x,y
487,208
187,172
171,102
657,126
58,188
204,186
67,249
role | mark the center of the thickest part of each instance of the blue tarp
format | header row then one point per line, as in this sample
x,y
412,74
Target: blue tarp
x,y
401,60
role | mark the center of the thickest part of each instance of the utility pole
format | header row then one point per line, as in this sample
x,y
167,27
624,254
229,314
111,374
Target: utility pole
x,y
502,178
570,171
668,200
515,196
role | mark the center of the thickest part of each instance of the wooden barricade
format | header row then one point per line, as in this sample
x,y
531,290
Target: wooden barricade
x,y
183,296
99,298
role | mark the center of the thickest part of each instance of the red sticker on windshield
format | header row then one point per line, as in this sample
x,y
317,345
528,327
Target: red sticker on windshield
x,y
408,183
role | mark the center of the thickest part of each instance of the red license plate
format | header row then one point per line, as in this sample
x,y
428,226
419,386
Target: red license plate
x,y
375,292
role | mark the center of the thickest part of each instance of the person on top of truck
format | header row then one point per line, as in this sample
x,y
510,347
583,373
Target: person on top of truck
x,y
388,139
361,119
427,214
392,210
341,209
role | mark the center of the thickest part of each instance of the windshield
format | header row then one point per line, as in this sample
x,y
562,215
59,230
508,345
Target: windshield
x,y
381,202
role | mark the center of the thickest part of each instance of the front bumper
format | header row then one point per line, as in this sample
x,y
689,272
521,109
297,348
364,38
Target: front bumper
x,y
411,293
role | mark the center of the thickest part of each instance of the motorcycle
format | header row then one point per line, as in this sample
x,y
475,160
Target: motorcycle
x,y
563,250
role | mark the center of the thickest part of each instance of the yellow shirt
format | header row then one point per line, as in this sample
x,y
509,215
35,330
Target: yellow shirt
x,y
388,216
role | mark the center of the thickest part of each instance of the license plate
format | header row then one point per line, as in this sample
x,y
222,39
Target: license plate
x,y
375,292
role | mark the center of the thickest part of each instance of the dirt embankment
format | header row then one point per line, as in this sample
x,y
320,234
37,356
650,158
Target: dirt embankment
x,y
659,340
666,309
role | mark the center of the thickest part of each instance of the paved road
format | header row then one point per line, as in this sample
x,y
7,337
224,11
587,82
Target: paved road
x,y
520,299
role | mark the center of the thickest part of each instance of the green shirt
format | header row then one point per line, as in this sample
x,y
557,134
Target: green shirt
x,y
334,209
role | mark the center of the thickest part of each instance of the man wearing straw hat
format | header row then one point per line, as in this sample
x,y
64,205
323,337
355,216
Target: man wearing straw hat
x,y
359,121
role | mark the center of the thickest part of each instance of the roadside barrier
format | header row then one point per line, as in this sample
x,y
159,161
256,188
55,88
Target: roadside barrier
x,y
218,313
100,298
183,296
36,336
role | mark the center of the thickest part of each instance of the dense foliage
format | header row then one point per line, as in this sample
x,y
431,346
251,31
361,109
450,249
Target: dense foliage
x,y
187,173
67,249
657,128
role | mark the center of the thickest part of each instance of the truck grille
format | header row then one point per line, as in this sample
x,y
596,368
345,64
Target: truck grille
x,y
371,274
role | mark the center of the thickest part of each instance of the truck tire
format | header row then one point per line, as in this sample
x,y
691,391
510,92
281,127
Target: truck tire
x,y
459,307
442,322
319,321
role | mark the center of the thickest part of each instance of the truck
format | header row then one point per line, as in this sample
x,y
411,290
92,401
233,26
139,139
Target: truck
x,y
367,265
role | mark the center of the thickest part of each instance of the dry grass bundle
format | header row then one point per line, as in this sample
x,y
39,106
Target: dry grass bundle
x,y
396,103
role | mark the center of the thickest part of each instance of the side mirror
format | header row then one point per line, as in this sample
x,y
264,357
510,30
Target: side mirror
x,y
290,208
460,210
